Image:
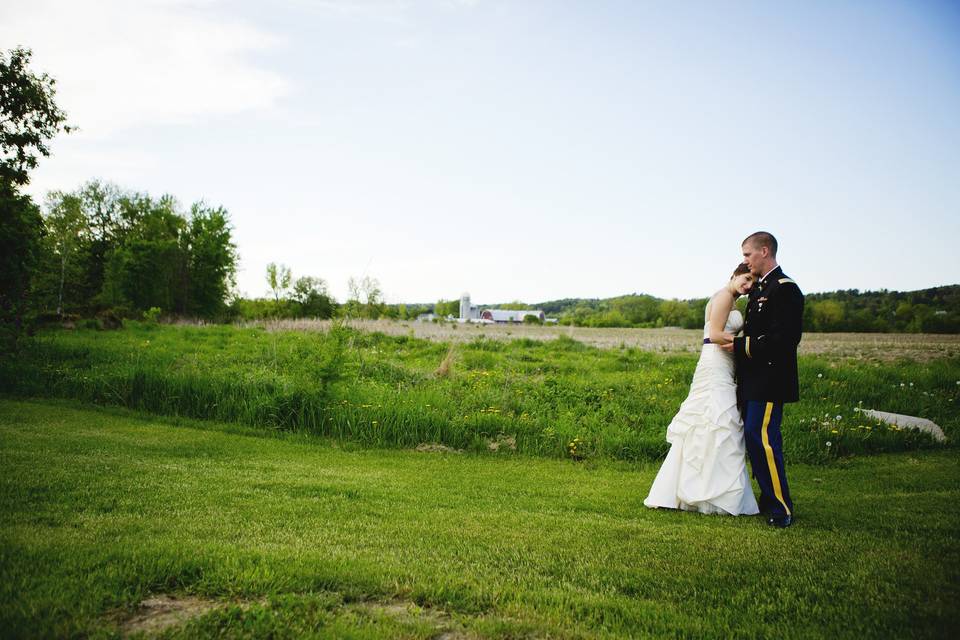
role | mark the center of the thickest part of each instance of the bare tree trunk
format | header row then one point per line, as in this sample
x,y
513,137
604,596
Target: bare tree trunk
x,y
63,271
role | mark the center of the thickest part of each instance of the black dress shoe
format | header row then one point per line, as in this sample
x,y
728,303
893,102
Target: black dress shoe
x,y
781,522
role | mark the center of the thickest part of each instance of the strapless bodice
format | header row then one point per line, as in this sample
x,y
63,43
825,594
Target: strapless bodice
x,y
733,325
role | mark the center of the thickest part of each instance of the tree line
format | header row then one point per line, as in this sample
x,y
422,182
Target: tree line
x,y
108,248
934,310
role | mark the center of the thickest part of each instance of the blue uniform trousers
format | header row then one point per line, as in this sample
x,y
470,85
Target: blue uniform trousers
x,y
761,430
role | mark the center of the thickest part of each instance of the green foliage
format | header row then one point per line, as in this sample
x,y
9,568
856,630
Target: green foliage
x,y
152,315
29,117
365,299
65,252
934,310
308,298
313,298
444,308
149,268
278,279
260,308
21,235
212,260
111,248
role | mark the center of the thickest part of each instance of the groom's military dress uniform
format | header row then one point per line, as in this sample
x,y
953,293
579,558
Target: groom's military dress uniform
x,y
766,365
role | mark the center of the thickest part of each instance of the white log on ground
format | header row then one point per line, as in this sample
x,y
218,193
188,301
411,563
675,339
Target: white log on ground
x,y
907,422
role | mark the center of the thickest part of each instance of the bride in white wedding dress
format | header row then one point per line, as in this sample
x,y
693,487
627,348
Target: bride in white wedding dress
x,y
705,469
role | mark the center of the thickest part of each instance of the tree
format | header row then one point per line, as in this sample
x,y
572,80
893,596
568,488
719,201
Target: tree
x,y
149,268
826,315
21,233
312,296
211,261
278,279
673,313
29,118
365,298
64,248
445,308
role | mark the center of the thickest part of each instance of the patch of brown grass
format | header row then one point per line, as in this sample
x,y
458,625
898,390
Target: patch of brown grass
x,y
446,365
870,346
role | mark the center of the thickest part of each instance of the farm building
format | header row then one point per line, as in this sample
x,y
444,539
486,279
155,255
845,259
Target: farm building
x,y
468,311
510,315
473,313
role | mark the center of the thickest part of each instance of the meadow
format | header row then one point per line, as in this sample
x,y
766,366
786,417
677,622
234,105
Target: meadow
x,y
536,396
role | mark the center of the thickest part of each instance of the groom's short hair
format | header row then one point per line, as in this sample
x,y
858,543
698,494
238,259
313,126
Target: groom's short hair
x,y
762,239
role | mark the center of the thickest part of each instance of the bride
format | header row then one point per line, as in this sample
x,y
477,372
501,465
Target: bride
x,y
705,469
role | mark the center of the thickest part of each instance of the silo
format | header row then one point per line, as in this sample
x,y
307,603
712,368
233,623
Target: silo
x,y
465,306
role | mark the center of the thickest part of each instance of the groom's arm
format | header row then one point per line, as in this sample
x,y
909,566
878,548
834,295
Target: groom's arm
x,y
785,329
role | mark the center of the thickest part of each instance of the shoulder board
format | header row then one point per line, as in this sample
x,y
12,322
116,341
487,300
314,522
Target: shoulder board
x,y
786,280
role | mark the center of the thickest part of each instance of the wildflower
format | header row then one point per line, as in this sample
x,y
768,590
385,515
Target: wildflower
x,y
829,444
838,418
374,423
911,384
834,431
902,384
819,375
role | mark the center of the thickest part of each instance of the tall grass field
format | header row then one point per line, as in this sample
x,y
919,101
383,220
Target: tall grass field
x,y
400,391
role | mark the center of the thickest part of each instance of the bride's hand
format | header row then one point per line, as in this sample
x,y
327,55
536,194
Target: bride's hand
x,y
728,338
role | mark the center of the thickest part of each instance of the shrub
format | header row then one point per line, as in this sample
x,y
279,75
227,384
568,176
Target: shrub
x,y
110,320
152,315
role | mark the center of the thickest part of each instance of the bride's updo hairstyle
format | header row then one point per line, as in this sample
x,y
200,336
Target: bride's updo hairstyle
x,y
740,270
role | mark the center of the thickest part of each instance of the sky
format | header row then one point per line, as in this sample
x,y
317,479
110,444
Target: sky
x,y
523,149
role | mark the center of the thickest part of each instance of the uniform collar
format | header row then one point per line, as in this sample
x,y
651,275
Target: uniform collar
x,y
763,280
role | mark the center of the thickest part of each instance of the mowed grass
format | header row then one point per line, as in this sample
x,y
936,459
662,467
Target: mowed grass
x,y
400,391
292,533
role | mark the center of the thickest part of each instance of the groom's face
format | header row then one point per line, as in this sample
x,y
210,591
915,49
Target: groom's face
x,y
754,257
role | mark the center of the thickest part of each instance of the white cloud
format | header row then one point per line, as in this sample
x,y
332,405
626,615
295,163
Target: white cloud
x,y
123,64
396,11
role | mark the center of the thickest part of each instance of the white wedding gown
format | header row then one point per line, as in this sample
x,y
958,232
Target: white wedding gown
x,y
706,468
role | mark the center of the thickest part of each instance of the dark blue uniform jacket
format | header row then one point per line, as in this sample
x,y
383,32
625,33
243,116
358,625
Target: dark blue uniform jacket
x,y
766,353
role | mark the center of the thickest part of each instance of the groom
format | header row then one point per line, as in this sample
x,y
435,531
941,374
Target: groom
x,y
766,357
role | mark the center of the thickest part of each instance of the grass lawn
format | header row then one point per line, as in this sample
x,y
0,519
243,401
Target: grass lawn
x,y
295,536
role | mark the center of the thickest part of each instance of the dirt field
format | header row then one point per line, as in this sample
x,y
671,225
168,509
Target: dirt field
x,y
880,346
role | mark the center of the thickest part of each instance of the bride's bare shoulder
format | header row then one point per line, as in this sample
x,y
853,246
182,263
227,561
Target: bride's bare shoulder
x,y
722,295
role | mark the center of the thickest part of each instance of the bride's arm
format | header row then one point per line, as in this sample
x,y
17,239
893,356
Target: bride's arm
x,y
720,306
